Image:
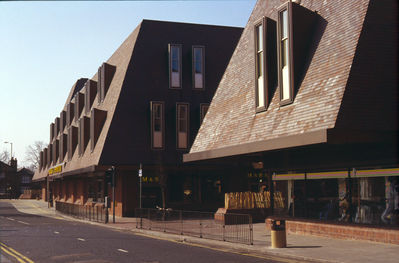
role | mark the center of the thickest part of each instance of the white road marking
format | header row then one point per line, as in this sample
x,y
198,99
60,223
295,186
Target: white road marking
x,y
9,218
56,232
81,239
22,222
122,250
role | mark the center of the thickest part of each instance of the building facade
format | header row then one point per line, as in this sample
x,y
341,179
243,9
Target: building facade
x,y
9,180
143,107
308,108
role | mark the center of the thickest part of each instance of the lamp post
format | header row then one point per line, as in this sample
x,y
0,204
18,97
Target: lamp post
x,y
140,175
11,149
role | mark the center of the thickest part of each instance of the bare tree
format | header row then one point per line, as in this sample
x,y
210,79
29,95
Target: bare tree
x,y
5,156
33,154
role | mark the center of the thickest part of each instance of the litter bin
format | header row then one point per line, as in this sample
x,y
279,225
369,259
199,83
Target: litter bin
x,y
278,234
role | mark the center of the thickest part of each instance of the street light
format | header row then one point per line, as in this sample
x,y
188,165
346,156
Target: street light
x,y
11,148
140,175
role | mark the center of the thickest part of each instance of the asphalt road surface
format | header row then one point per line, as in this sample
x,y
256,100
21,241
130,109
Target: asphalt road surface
x,y
30,238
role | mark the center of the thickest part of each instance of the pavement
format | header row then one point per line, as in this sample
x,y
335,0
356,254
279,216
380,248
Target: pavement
x,y
299,247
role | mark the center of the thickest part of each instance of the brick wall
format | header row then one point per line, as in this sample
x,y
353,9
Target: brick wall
x,y
304,227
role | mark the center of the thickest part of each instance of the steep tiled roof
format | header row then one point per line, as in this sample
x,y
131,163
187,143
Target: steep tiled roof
x,y
142,76
120,59
231,119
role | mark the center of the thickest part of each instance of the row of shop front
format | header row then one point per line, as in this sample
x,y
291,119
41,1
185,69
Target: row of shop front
x,y
361,196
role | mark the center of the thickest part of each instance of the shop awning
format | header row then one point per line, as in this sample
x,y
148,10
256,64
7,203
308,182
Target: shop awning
x,y
292,176
375,172
327,175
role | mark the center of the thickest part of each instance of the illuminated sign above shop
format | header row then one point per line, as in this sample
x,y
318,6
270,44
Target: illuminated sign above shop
x,y
55,170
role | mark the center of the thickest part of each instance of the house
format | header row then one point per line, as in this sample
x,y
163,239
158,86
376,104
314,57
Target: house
x,y
142,108
9,182
27,189
308,108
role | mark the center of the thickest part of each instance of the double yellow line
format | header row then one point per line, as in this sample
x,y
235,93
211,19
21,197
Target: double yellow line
x,y
15,254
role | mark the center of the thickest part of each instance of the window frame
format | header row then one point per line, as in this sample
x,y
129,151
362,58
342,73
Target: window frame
x,y
261,22
162,104
180,47
193,66
285,7
178,104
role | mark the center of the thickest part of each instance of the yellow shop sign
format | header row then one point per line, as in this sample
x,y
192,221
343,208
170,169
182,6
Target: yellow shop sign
x,y
55,170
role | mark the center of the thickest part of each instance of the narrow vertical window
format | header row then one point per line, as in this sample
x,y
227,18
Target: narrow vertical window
x,y
203,111
182,125
260,64
174,66
285,72
157,124
80,137
100,82
198,67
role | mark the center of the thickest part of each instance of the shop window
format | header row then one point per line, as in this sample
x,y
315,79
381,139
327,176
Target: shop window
x,y
182,120
157,125
203,110
198,55
175,74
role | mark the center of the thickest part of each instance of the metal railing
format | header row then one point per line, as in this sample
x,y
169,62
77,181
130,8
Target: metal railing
x,y
92,213
235,228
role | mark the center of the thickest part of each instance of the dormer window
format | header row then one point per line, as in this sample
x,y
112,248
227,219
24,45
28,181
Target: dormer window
x,y
265,61
198,67
260,81
285,62
295,35
79,104
175,66
104,75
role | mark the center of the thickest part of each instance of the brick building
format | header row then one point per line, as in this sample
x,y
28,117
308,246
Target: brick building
x,y
308,107
9,181
143,106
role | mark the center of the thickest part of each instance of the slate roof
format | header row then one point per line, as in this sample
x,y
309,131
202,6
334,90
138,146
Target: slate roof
x,y
231,126
140,66
120,59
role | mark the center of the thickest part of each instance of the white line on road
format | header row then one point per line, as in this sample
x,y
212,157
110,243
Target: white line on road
x,y
56,232
81,239
12,219
22,222
122,250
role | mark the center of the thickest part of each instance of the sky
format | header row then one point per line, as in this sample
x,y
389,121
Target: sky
x,y
46,46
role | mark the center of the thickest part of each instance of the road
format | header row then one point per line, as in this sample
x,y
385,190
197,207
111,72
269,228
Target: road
x,y
31,238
